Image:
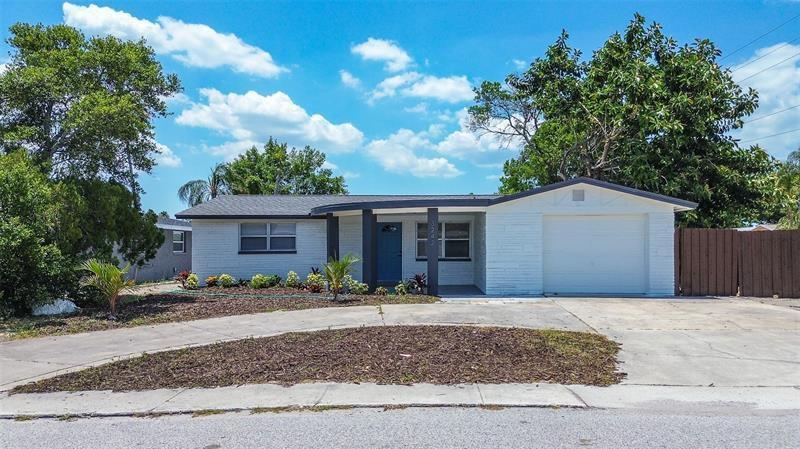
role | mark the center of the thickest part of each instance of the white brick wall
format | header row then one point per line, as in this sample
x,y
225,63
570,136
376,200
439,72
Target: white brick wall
x,y
479,252
513,251
215,250
661,253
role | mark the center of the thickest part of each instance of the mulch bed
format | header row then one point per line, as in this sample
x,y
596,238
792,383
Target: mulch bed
x,y
385,354
194,305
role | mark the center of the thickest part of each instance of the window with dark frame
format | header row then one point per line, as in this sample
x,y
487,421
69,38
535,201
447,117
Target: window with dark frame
x,y
454,240
267,237
178,242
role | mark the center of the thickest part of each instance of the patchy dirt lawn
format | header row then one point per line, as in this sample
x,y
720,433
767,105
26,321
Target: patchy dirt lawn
x,y
195,305
385,354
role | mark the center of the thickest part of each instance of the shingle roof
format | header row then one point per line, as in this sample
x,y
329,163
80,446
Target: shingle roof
x,y
166,221
238,206
296,206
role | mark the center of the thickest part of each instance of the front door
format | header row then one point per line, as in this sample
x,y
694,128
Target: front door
x,y
390,253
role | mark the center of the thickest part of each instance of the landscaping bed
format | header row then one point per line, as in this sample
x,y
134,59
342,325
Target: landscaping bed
x,y
191,305
384,354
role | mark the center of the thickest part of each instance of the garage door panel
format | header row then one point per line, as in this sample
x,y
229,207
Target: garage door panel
x,y
594,254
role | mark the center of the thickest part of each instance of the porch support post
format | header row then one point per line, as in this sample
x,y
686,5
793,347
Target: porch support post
x,y
369,248
333,235
433,251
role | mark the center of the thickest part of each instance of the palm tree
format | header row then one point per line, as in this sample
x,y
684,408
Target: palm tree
x,y
201,190
109,279
336,270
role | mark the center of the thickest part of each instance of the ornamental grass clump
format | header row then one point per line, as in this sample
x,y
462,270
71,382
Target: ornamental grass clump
x,y
109,279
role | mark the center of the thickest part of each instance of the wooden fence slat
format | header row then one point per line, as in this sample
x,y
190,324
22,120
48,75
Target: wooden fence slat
x,y
776,267
746,276
786,267
704,234
736,265
796,264
712,262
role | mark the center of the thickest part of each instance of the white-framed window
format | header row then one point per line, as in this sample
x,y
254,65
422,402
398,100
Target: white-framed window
x,y
262,237
178,242
454,240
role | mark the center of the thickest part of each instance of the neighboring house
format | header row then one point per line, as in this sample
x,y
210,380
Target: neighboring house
x,y
760,227
580,236
172,257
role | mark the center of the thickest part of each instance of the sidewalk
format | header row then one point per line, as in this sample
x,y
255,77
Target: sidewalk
x,y
269,397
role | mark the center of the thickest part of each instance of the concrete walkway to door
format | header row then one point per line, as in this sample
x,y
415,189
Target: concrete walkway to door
x,y
725,342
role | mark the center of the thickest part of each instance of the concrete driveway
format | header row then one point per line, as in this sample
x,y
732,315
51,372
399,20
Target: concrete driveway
x,y
720,342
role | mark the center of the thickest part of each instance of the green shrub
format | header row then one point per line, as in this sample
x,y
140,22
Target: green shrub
x,y
315,283
191,281
381,291
292,280
401,289
212,281
355,287
273,280
226,280
259,281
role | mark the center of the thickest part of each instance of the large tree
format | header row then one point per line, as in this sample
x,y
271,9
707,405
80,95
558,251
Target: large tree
x,y
642,111
82,107
280,170
199,191
789,183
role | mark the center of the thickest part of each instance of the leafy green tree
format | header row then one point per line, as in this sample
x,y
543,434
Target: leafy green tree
x,y
199,191
32,269
643,111
82,107
789,183
280,170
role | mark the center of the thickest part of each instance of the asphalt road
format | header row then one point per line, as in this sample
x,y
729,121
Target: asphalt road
x,y
415,428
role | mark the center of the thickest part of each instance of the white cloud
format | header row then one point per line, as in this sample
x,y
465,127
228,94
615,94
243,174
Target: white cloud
x,y
166,157
195,45
778,89
452,89
398,154
484,150
329,165
349,80
251,118
519,64
396,59
419,108
493,177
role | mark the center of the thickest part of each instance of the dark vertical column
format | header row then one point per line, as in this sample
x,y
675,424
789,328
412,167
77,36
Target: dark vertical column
x,y
369,248
433,251
333,235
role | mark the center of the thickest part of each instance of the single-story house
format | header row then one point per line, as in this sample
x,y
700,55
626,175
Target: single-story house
x,y
580,236
172,257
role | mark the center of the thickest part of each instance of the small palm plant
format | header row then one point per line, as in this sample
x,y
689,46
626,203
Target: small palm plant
x,y
336,271
109,279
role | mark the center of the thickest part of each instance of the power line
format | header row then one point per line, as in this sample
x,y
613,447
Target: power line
x,y
765,69
771,135
774,113
758,38
763,56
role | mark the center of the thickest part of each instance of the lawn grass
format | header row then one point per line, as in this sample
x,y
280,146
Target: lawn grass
x,y
187,306
384,355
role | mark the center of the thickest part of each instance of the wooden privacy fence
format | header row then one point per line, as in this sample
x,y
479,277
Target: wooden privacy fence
x,y
724,262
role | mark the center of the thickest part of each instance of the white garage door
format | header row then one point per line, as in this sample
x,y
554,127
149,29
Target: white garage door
x,y
594,254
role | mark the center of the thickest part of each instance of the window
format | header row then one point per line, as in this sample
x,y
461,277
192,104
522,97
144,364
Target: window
x,y
178,242
263,237
454,245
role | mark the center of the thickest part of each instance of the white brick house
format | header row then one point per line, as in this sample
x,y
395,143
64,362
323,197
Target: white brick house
x,y
580,236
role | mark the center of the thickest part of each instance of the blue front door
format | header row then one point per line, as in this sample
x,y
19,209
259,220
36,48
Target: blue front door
x,y
390,252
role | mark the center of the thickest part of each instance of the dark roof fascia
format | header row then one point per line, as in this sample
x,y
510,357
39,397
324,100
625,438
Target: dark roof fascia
x,y
597,183
399,204
259,217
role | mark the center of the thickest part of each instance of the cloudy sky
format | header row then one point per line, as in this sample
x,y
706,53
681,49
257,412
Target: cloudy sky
x,y
382,88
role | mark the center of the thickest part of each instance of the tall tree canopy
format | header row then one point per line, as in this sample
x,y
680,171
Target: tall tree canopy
x,y
643,111
280,170
275,170
82,107
789,182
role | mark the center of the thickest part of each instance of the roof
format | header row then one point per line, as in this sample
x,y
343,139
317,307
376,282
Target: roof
x,y
316,206
173,224
760,227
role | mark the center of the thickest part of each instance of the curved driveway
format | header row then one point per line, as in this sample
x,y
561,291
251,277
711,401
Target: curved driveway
x,y
726,342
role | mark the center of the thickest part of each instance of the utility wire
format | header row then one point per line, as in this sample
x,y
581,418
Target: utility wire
x,y
763,56
765,69
758,38
771,135
773,113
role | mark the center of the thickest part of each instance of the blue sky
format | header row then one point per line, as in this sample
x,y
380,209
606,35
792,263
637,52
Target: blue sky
x,y
382,87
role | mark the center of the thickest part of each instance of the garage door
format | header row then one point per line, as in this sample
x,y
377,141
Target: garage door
x,y
594,254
